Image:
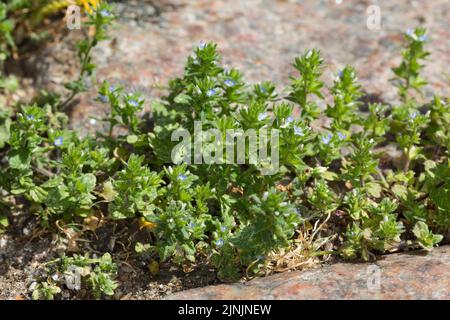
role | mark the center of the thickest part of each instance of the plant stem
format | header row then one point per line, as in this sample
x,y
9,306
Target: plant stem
x,y
84,62
407,160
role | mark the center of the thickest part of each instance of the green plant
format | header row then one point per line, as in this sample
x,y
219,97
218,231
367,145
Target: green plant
x,y
359,168
236,212
408,72
425,237
375,227
346,92
138,189
45,291
310,66
377,123
95,274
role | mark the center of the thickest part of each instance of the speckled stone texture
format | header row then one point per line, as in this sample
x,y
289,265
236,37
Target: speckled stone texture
x,y
260,37
397,276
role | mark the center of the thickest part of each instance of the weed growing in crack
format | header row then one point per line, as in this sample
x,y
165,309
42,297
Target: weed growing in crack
x,y
230,215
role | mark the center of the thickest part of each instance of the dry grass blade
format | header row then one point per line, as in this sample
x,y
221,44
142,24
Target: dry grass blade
x,y
303,253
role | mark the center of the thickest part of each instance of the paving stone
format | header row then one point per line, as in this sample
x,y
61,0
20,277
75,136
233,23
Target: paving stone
x,y
412,275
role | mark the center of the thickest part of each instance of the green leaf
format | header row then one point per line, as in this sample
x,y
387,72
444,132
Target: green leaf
x,y
182,99
132,139
441,198
167,252
399,190
425,237
374,189
108,192
4,223
330,176
88,180
19,159
38,194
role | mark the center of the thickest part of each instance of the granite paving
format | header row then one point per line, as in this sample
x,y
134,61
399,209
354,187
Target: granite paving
x,y
401,276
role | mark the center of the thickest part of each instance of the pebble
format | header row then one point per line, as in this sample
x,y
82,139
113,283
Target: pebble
x,y
33,286
3,243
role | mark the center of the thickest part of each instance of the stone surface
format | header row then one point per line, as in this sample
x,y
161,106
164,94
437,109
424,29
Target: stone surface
x,y
397,276
260,37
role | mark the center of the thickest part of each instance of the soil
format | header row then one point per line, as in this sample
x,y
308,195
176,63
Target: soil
x,y
25,250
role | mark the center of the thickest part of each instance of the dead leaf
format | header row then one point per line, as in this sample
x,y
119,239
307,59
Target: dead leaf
x,y
143,223
153,267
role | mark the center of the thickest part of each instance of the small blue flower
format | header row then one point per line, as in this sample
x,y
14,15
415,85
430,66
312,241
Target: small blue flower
x,y
191,224
298,131
223,228
289,119
133,103
413,115
262,116
181,177
112,88
298,212
229,83
262,89
30,117
423,38
410,32
219,242
211,92
326,139
105,13
58,141
340,73
103,98
201,45
341,136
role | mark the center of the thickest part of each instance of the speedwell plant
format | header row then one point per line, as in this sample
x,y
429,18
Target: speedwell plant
x,y
231,215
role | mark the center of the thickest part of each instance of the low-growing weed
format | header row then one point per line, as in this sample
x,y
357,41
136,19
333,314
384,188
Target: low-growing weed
x,y
230,214
77,272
